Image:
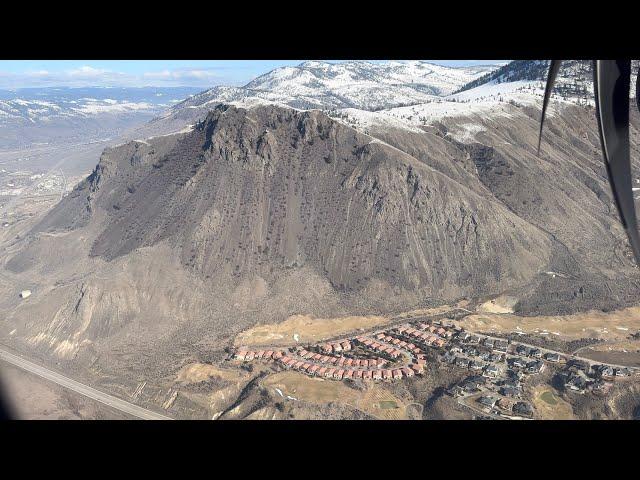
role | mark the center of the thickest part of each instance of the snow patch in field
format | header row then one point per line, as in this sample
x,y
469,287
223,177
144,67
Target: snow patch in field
x,y
466,132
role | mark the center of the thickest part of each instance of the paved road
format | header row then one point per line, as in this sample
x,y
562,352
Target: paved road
x,y
82,389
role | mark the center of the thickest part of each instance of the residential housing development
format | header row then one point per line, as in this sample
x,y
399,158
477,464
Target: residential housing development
x,y
497,367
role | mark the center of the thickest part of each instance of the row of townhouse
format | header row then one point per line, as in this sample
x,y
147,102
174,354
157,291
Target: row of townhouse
x,y
340,367
340,361
430,339
249,355
437,330
398,343
338,373
337,347
376,346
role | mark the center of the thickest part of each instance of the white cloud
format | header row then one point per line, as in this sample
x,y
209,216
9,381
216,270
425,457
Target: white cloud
x,y
38,73
183,75
162,74
87,71
87,76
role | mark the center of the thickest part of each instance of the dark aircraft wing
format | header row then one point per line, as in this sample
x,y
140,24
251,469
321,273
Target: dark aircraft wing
x,y
611,80
554,67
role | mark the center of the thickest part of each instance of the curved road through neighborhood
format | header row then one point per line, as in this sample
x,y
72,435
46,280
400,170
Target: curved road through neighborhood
x,y
110,400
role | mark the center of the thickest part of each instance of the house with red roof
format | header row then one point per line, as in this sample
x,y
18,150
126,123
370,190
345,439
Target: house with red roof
x,y
416,368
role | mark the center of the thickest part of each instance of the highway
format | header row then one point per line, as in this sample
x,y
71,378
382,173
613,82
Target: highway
x,y
90,392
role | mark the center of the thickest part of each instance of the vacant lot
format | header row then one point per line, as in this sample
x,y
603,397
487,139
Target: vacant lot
x,y
201,372
375,400
501,304
623,353
305,329
549,405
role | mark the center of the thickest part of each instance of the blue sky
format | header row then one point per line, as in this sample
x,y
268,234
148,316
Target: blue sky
x,y
197,73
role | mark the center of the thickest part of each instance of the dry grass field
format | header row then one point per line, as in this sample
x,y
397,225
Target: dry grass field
x,y
306,329
501,304
549,406
422,312
200,372
610,326
375,400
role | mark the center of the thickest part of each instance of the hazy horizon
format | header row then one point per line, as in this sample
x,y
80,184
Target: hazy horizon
x,y
18,74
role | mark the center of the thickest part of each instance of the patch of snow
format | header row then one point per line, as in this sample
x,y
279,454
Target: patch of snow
x,y
466,132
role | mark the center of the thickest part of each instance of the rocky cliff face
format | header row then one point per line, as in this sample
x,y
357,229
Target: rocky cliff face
x,y
257,191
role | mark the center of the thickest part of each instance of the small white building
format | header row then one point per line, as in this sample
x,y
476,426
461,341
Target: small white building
x,y
25,293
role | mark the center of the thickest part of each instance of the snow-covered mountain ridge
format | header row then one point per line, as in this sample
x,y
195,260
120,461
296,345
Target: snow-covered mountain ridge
x,y
355,84
34,105
406,95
